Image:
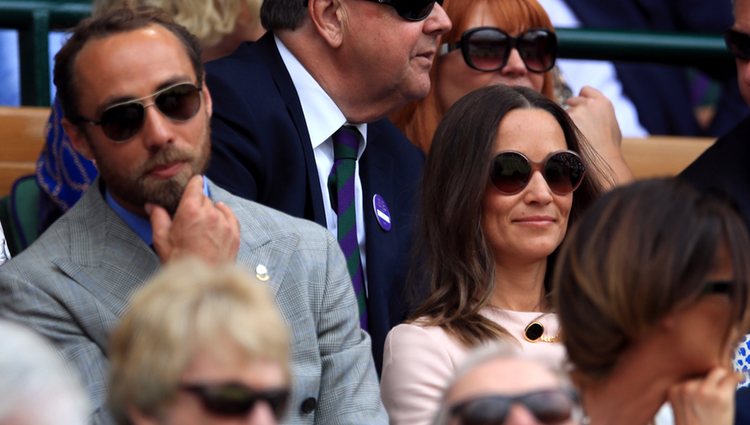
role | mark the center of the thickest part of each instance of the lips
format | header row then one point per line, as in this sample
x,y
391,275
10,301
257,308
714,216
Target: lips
x,y
536,219
165,171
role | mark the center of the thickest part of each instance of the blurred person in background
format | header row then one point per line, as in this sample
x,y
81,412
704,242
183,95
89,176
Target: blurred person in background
x,y
200,345
497,385
651,290
36,386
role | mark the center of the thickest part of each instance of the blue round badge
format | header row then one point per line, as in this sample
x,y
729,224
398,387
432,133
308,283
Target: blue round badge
x,y
381,212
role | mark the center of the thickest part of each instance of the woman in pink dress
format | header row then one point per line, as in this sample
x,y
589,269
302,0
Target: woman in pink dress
x,y
497,199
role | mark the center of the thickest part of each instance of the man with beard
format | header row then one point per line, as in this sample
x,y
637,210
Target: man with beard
x,y
131,86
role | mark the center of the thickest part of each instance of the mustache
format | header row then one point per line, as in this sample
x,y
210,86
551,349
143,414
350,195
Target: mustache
x,y
166,156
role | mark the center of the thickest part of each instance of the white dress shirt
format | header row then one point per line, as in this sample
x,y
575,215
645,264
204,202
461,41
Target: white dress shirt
x,y
323,118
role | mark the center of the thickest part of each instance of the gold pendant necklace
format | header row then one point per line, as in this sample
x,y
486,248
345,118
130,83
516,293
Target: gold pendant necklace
x,y
534,332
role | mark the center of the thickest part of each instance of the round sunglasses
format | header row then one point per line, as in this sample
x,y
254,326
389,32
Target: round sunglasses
x,y
412,10
236,400
511,171
548,407
488,48
121,121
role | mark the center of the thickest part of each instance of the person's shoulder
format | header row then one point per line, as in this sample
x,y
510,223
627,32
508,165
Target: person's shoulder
x,y
728,153
271,221
418,329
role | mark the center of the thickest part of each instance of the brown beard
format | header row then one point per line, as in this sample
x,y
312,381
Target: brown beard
x,y
138,188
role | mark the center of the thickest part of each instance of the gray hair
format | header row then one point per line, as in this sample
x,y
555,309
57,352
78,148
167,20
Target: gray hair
x,y
283,14
31,371
486,353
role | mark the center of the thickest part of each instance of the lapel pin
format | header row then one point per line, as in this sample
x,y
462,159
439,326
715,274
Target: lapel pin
x,y
261,272
382,214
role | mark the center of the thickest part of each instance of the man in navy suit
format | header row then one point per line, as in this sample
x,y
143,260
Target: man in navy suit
x,y
277,103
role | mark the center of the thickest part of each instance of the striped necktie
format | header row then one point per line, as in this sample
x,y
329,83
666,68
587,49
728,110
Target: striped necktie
x,y
341,189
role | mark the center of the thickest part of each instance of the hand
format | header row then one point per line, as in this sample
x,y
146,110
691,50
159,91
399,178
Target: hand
x,y
594,115
199,228
708,400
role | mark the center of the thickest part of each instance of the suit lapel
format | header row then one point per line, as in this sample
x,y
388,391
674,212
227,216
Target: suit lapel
x,y
266,255
288,93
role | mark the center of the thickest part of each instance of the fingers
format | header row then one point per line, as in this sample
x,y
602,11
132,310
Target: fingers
x,y
161,226
705,400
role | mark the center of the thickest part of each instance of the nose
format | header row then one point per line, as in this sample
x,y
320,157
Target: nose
x,y
537,191
515,66
260,414
438,22
520,415
157,129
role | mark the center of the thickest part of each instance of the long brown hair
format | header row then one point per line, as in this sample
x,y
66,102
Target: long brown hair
x,y
419,119
455,261
639,253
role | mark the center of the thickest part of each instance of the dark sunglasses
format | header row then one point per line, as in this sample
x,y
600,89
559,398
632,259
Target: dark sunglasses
x,y
511,171
411,10
548,407
718,287
488,48
738,44
124,120
233,399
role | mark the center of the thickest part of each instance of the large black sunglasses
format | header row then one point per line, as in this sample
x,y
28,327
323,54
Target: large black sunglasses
x,y
488,48
124,120
719,287
511,171
234,399
738,44
548,407
411,10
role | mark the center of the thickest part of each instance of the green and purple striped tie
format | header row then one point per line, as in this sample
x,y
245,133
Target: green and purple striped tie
x,y
341,190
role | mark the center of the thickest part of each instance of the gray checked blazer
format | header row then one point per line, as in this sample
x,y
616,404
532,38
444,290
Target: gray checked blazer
x,y
74,283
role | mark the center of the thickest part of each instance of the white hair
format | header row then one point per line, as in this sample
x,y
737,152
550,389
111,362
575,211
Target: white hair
x,y
486,353
36,386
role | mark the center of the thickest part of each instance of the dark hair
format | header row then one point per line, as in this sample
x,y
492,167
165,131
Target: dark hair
x,y
282,14
113,22
638,253
455,257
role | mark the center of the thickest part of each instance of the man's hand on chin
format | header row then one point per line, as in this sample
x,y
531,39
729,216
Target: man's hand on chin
x,y
199,228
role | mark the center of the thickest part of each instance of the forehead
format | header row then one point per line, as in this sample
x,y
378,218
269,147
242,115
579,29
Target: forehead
x,y
130,64
742,15
503,377
487,14
534,132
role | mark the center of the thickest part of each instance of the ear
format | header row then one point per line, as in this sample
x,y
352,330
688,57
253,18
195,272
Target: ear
x,y
207,99
667,323
78,139
328,18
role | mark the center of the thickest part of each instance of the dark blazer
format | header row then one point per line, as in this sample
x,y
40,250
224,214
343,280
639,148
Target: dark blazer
x,y
723,168
261,150
661,93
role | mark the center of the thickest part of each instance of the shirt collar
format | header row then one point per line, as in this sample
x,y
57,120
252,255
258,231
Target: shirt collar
x,y
322,116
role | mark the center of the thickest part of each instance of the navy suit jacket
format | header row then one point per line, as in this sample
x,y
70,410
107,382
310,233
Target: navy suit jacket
x,y
661,93
723,168
742,406
261,150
